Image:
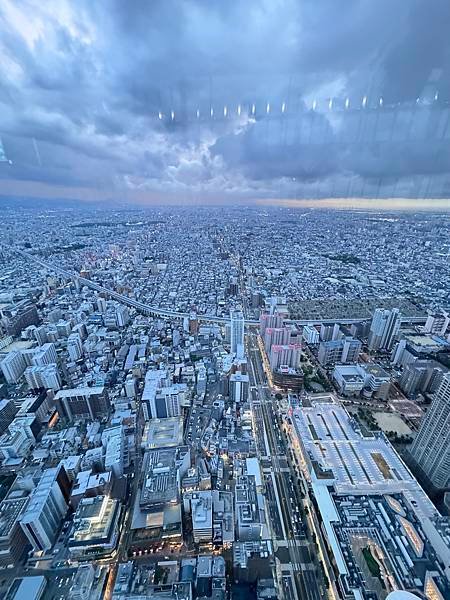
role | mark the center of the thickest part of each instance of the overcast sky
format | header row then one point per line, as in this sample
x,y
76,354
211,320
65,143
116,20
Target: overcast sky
x,y
138,100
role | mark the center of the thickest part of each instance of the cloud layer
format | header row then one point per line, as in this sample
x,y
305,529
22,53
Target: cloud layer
x,y
139,100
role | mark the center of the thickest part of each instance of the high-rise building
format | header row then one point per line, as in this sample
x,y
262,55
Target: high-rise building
x,y
82,403
330,332
74,346
431,448
113,441
276,335
287,355
168,401
269,320
13,366
122,316
19,316
237,333
95,529
154,379
202,516
13,542
46,376
437,322
345,351
193,324
40,335
310,334
384,329
48,506
239,385
102,304
8,411
45,355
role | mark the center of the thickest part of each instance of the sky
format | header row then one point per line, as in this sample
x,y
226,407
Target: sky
x,y
216,101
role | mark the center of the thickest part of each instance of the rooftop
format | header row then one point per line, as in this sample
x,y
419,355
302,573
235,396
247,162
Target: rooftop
x,y
163,433
94,520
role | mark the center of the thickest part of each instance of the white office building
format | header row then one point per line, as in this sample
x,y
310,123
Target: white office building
x,y
47,508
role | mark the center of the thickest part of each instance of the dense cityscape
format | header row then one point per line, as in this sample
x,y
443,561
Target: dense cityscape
x,y
224,300
224,403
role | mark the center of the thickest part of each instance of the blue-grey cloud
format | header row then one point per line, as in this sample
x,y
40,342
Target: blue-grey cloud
x,y
82,85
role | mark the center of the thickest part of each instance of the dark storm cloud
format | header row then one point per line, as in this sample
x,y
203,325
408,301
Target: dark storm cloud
x,y
82,85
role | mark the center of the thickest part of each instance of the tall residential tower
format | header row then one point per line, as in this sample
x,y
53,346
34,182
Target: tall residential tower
x,y
431,448
384,328
237,333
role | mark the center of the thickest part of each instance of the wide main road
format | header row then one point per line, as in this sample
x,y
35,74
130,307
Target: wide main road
x,y
148,309
301,579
